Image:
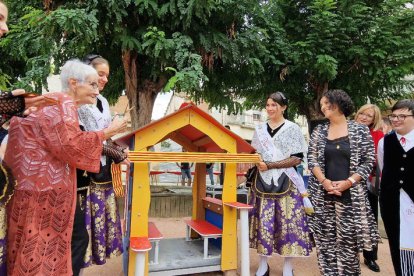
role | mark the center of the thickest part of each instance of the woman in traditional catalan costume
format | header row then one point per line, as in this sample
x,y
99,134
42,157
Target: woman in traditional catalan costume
x,y
341,156
43,151
278,220
98,197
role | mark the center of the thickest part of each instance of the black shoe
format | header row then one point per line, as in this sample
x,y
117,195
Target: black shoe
x,y
267,271
371,264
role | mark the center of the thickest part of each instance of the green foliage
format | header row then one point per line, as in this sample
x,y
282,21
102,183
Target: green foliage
x,y
220,50
212,45
4,81
363,47
38,40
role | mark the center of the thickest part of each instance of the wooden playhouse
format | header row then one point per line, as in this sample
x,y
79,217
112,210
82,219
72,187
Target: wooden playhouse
x,y
205,140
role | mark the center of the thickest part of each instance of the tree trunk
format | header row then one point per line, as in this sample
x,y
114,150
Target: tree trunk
x,y
313,114
141,93
144,97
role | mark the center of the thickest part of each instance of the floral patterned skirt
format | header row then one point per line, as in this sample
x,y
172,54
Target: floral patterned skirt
x,y
279,225
103,224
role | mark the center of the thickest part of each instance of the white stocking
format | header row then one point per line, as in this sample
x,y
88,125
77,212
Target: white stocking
x,y
262,265
287,267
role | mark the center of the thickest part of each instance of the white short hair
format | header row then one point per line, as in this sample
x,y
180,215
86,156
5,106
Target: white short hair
x,y
75,69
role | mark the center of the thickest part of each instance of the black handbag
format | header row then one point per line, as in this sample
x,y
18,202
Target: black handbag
x,y
250,176
264,189
375,189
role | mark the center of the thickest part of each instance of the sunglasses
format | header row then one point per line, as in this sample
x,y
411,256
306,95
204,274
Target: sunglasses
x,y
89,58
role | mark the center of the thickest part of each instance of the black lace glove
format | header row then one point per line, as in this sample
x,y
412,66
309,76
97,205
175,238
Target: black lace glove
x,y
10,106
285,163
112,151
115,145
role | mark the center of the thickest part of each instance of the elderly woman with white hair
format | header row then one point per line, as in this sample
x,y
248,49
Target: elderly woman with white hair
x,y
43,152
12,103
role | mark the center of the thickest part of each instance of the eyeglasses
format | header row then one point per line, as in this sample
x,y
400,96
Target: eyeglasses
x,y
94,85
89,58
400,117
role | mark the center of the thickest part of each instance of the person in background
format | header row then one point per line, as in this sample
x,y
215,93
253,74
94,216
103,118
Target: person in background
x,y
96,193
223,165
386,125
341,156
4,29
370,115
185,173
185,168
41,211
278,222
210,171
395,160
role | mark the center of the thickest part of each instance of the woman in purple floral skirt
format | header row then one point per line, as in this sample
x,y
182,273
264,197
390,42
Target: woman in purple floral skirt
x,y
278,222
102,218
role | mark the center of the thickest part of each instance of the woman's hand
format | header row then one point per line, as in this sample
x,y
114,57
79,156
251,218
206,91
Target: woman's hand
x,y
262,166
126,160
327,185
331,187
342,185
32,103
118,125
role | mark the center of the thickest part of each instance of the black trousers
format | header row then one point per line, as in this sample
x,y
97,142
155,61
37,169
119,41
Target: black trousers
x,y
222,169
373,201
80,239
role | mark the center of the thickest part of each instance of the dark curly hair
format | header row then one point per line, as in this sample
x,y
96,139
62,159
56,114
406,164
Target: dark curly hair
x,y
341,99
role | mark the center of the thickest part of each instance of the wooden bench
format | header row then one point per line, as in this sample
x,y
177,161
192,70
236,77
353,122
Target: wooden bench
x,y
205,229
140,245
154,235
